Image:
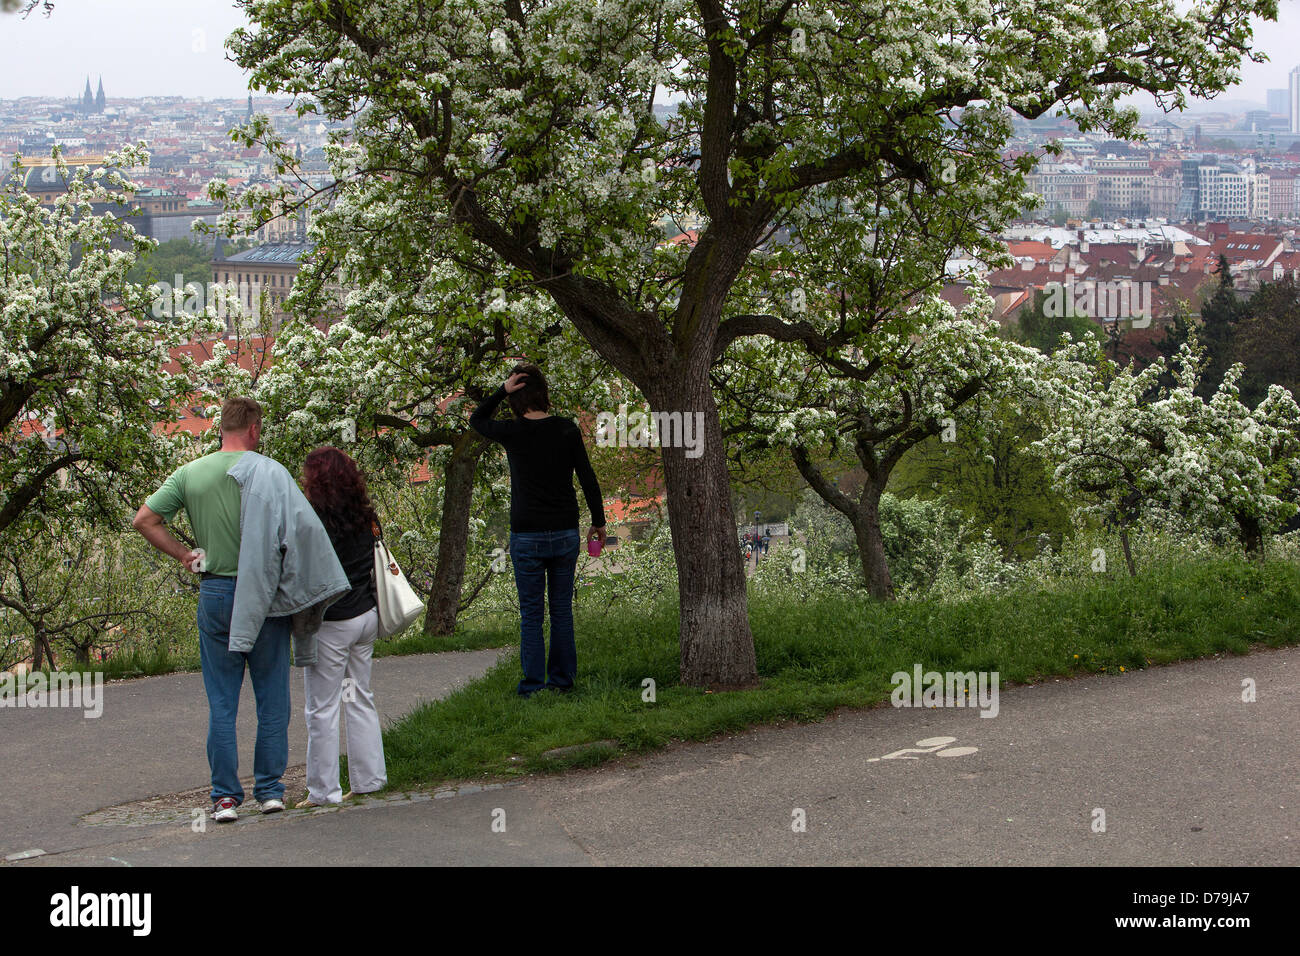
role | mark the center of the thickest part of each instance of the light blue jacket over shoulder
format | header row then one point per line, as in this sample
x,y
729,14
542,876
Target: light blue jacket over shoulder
x,y
287,563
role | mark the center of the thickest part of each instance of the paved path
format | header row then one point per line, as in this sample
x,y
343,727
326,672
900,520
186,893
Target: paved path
x,y
1185,771
56,765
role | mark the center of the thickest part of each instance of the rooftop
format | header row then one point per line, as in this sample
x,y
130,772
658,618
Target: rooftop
x,y
285,252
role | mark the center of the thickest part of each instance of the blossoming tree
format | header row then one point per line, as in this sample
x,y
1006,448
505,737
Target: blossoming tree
x,y
530,128
862,350
917,378
84,377
1135,448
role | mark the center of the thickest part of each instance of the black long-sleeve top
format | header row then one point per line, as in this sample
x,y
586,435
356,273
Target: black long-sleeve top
x,y
543,453
356,552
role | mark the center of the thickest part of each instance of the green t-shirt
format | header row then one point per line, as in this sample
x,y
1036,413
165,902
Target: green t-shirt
x,y
211,499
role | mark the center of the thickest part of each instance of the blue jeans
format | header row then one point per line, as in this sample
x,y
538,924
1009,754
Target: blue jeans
x,y
545,562
223,676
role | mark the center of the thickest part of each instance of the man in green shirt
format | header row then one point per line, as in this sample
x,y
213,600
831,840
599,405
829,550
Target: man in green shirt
x,y
211,499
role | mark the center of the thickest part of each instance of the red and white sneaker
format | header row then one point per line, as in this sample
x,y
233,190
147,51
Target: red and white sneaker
x,y
223,811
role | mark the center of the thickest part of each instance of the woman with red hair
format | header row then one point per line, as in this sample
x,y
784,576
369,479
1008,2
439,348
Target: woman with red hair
x,y
337,491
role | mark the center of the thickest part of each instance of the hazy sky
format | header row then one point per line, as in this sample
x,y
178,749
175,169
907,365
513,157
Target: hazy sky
x,y
176,47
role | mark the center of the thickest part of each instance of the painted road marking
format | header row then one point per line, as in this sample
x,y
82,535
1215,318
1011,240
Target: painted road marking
x,y
928,746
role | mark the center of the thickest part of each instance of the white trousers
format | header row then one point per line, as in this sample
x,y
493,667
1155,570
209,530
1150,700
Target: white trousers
x,y
340,678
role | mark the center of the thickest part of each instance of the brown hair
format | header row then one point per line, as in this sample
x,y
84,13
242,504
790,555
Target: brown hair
x,y
533,396
337,490
237,414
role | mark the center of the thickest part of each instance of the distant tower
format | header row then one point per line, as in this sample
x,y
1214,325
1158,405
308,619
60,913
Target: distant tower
x,y
1293,99
99,96
87,98
250,105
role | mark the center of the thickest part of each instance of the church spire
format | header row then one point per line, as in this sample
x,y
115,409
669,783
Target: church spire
x,y
87,98
99,97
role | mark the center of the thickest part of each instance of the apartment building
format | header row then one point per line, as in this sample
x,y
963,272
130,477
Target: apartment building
x,y
1282,195
1123,185
263,276
1226,190
1066,186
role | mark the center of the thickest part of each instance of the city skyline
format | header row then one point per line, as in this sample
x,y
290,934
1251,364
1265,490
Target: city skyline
x,y
178,50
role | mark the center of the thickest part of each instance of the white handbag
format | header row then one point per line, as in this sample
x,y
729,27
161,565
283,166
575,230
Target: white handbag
x,y
399,605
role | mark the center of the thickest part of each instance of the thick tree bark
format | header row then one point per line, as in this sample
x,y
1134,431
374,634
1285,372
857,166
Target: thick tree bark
x,y
717,647
871,543
453,534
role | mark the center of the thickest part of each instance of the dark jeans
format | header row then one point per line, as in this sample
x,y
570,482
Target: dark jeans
x,y
223,677
545,562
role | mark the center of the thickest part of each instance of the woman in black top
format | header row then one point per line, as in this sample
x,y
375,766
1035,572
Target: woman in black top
x,y
544,451
337,491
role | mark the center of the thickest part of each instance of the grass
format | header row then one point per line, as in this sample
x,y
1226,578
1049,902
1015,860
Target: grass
x,y
494,630
181,652
143,662
837,652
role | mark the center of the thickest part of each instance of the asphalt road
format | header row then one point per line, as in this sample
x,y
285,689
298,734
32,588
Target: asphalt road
x,y
56,765
1184,770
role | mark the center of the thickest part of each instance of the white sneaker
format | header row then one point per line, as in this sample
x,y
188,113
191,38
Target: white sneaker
x,y
223,811
272,806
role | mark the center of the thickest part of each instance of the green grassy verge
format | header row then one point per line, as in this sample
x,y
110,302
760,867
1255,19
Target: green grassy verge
x,y
474,635
839,651
182,654
142,662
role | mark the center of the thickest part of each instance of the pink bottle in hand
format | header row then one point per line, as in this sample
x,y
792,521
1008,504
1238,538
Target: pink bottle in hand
x,y
593,547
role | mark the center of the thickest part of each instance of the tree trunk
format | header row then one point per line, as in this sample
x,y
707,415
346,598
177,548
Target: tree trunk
x,y
453,534
1128,552
871,543
717,648
41,649
864,515
1251,536
670,365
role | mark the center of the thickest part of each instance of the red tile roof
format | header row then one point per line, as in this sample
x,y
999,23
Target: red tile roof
x,y
1015,279
1242,247
1105,253
1031,248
